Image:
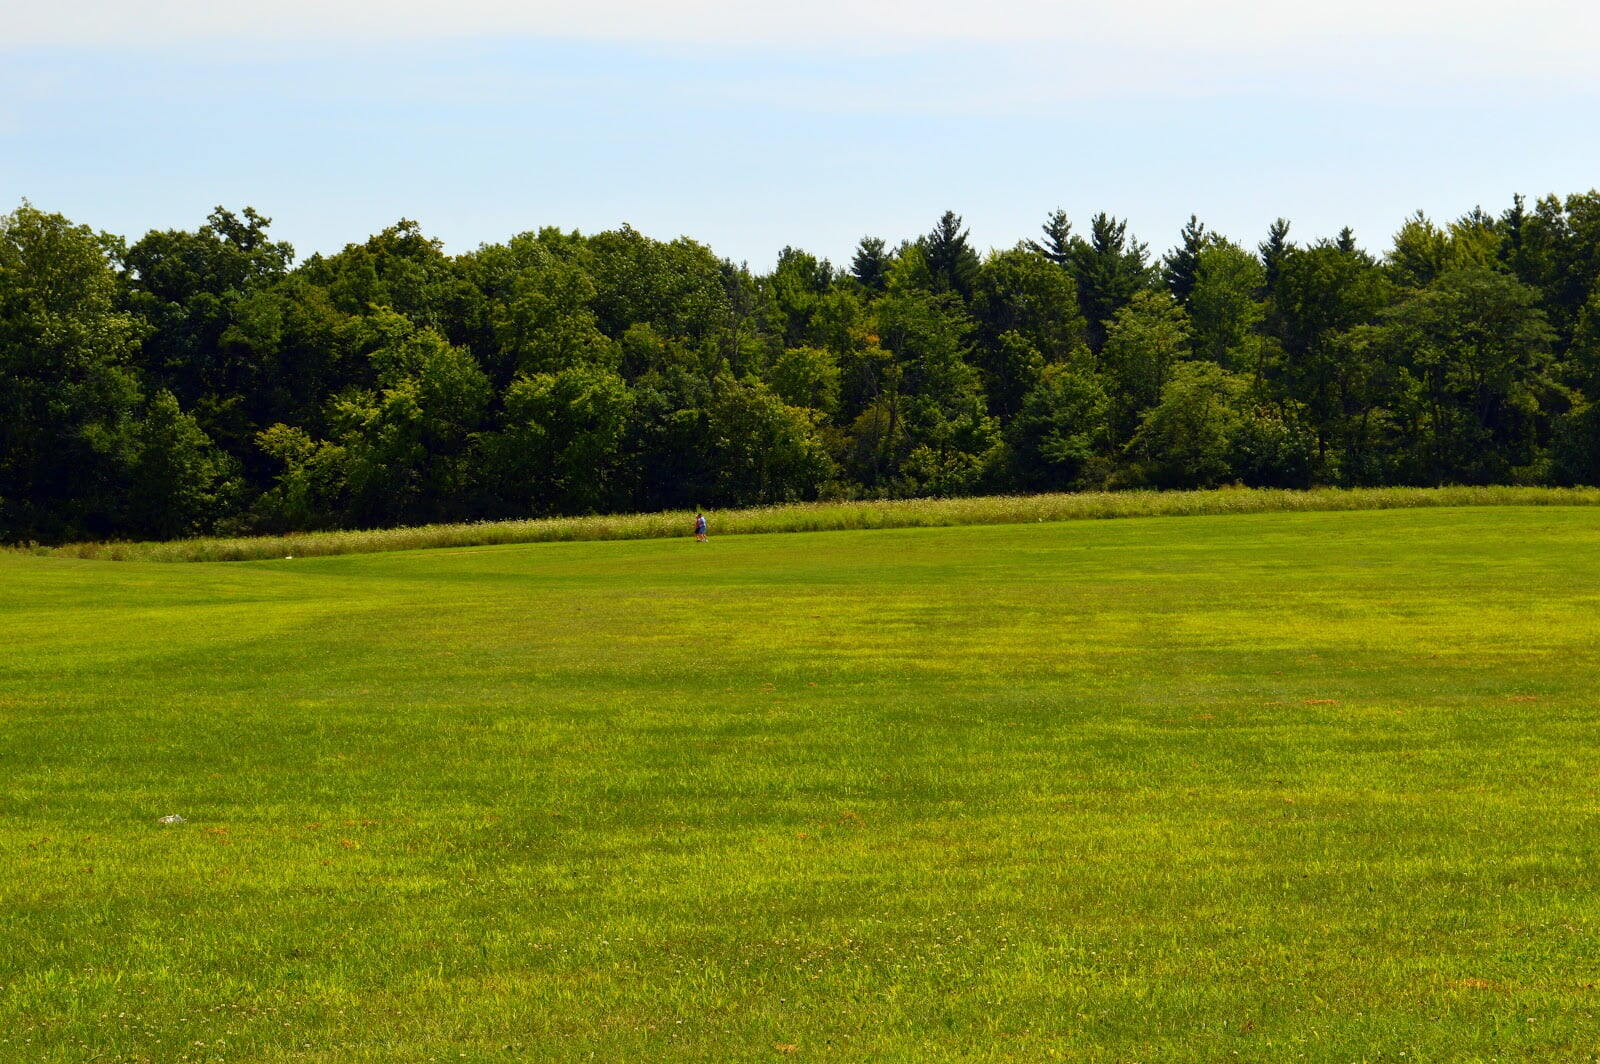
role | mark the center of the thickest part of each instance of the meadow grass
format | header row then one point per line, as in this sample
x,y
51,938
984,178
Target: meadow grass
x,y
1290,786
826,517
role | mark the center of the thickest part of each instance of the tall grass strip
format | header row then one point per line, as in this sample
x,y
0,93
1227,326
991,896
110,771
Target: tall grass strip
x,y
822,517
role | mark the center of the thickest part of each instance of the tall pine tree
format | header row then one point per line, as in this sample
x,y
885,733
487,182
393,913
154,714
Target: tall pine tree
x,y
1273,251
1180,265
1109,268
951,260
871,264
1057,243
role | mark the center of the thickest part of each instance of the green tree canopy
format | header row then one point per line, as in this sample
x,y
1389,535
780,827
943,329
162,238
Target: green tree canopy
x,y
1224,307
69,389
1109,268
203,381
1146,339
1187,439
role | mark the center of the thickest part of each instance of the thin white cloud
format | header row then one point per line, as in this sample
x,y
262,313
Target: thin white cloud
x,y
909,57
1529,32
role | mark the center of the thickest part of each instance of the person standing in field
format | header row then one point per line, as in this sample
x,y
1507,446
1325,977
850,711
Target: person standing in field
x,y
700,528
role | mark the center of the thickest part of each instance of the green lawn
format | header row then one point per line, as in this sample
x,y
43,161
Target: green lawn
x,y
1319,786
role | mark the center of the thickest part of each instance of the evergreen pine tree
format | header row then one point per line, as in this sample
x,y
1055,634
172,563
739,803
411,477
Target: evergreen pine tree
x,y
1057,245
1179,266
871,264
1109,269
951,260
1273,251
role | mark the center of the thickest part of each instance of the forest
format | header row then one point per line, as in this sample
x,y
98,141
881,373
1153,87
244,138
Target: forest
x,y
206,381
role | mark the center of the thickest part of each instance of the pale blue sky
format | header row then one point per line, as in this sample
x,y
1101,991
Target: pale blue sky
x,y
758,134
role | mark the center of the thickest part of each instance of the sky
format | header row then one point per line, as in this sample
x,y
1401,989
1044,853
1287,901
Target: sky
x,y
752,126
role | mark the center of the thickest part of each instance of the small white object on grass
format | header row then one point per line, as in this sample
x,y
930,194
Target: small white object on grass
x,y
288,557
172,819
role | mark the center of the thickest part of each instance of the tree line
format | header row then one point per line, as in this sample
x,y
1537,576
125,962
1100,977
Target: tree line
x,y
204,381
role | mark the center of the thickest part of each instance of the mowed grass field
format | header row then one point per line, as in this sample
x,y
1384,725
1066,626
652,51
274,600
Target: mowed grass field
x,y
1293,786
